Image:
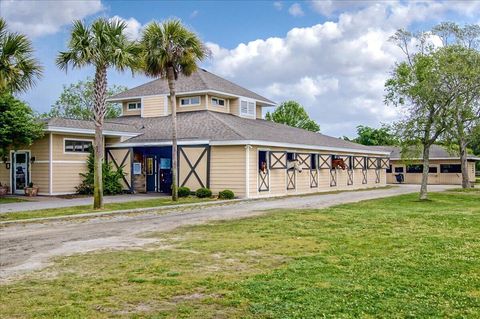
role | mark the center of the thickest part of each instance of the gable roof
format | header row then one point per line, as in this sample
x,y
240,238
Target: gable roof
x,y
208,126
436,152
200,80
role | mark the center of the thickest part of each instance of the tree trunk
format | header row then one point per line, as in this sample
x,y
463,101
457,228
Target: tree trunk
x,y
426,166
462,146
100,87
463,160
173,103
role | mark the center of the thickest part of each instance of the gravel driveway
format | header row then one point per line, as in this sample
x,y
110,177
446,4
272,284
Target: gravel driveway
x,y
30,246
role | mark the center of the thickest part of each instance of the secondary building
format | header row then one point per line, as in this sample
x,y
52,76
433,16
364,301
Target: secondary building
x,y
223,144
444,168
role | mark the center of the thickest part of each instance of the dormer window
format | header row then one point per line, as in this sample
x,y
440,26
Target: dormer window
x,y
218,102
247,108
134,106
190,101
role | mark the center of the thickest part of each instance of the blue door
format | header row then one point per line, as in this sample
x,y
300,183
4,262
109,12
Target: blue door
x,y
151,172
165,176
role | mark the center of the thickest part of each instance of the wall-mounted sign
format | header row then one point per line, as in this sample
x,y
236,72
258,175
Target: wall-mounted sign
x,y
165,163
137,168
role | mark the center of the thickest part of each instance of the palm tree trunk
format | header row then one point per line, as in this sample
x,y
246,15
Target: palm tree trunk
x,y
173,103
100,87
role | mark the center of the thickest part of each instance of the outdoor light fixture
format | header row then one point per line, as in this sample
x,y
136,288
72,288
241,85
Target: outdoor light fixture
x,y
7,165
32,159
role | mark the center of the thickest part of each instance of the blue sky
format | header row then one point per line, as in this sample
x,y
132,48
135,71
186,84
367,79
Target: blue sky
x,y
332,56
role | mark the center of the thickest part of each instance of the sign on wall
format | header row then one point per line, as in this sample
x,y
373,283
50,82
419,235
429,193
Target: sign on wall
x,y
137,168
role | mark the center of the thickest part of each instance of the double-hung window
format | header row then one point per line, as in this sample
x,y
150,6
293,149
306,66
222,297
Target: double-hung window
x,y
247,108
134,106
190,101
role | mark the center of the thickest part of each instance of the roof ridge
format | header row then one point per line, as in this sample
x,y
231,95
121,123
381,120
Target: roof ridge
x,y
201,77
224,123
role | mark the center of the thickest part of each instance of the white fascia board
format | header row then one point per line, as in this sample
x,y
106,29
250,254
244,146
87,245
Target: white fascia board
x,y
292,145
164,143
189,93
434,158
57,129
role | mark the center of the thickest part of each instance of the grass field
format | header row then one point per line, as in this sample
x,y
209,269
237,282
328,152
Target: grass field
x,y
75,210
8,200
392,258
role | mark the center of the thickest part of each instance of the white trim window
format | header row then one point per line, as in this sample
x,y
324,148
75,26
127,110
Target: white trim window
x,y
247,108
132,106
218,102
77,146
190,101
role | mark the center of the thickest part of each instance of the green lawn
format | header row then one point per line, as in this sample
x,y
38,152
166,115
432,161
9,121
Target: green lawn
x,y
157,202
8,200
392,258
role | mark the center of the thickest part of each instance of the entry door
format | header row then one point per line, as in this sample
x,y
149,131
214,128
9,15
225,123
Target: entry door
x,y
151,172
165,176
20,171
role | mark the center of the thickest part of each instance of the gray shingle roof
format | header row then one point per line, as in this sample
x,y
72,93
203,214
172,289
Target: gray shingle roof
x,y
436,152
215,126
201,80
109,125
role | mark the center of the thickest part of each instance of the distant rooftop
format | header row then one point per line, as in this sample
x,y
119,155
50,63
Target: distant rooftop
x,y
200,80
436,152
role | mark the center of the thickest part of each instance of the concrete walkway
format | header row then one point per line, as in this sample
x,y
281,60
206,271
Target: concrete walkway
x,y
44,202
25,247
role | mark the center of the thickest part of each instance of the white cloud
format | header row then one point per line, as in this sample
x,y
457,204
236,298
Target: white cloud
x,y
133,29
296,10
336,69
278,5
194,14
38,18
329,7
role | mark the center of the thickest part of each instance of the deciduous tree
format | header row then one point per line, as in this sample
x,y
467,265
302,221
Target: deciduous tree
x,y
293,114
77,101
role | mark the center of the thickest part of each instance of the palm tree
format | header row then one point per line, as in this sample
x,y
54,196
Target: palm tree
x,y
170,49
102,45
18,68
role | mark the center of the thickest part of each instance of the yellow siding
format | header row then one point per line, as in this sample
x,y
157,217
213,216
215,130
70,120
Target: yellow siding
x,y
227,169
154,106
235,106
193,154
259,111
433,178
66,176
126,111
40,177
59,150
4,174
201,106
278,177
40,149
221,109
118,155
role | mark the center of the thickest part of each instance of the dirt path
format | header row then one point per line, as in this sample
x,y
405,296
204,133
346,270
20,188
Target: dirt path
x,y
30,246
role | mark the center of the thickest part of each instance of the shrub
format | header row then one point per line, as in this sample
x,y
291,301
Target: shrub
x,y
111,178
183,191
226,194
203,193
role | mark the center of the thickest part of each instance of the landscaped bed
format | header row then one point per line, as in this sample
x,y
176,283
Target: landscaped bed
x,y
392,257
